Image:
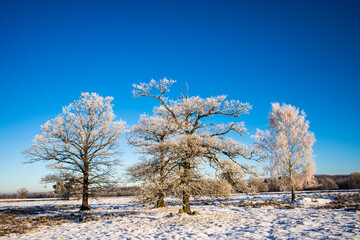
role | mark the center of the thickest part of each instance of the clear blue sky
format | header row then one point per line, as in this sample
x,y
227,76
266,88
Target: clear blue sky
x,y
304,53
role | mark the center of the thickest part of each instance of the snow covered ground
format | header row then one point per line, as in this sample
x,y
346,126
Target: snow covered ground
x,y
224,219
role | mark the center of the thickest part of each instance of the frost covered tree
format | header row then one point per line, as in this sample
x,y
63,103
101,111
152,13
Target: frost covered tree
x,y
288,144
197,140
149,136
84,138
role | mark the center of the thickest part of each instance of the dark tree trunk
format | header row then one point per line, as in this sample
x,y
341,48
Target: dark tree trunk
x,y
161,196
85,195
292,186
186,194
186,202
292,193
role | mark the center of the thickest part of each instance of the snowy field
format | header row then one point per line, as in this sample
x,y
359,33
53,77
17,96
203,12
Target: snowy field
x,y
315,215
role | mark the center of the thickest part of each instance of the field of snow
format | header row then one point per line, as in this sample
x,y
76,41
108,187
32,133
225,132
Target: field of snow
x,y
236,218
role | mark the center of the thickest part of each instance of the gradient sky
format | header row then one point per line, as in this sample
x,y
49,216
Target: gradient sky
x,y
304,53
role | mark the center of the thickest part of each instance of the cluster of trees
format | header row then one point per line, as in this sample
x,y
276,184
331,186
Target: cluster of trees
x,y
179,137
332,182
321,182
354,182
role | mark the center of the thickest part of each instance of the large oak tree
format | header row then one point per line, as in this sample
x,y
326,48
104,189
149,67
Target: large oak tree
x,y
197,138
84,138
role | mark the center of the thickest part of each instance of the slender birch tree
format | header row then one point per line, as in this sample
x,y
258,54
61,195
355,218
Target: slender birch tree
x,y
84,138
196,139
288,145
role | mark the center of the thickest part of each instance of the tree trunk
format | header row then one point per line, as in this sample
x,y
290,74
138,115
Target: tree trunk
x,y
186,194
292,193
161,200
161,196
186,202
292,187
85,195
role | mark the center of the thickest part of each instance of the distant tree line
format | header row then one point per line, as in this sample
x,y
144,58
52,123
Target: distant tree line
x,y
328,182
58,193
29,195
322,182
253,185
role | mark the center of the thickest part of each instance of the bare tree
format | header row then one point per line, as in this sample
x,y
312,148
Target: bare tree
x,y
149,136
23,192
83,138
196,139
288,144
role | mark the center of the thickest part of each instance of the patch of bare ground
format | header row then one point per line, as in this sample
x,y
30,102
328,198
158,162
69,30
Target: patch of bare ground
x,y
24,220
347,202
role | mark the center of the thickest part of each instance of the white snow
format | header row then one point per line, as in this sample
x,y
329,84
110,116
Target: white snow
x,y
216,221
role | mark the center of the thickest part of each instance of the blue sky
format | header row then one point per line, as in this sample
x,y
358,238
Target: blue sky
x,y
304,53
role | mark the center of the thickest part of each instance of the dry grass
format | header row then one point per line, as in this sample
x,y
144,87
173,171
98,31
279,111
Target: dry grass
x,y
24,220
254,203
347,202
